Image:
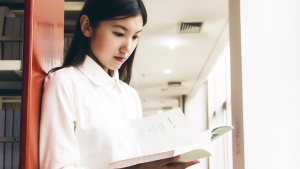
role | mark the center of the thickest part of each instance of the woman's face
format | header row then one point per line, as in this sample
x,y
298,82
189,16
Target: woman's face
x,y
113,41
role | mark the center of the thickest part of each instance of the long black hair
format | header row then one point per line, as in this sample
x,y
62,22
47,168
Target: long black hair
x,y
97,11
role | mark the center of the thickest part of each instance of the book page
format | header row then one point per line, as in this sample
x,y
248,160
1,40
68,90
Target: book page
x,y
219,131
161,136
200,149
166,135
164,132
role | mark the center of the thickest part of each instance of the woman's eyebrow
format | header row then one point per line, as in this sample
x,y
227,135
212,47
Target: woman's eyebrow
x,y
125,29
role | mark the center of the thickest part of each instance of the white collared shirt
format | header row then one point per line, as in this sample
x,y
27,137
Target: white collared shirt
x,y
84,111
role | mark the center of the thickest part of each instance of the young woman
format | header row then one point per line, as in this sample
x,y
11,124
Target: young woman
x,y
87,101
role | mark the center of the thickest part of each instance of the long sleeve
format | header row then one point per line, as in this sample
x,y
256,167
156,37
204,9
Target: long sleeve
x,y
58,144
82,111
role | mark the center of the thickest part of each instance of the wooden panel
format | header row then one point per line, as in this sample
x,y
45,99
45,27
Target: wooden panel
x,y
43,49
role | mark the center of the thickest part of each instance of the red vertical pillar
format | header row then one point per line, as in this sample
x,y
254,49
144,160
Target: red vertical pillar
x,y
43,50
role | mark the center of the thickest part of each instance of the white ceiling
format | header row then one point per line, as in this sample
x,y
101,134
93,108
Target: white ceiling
x,y
191,55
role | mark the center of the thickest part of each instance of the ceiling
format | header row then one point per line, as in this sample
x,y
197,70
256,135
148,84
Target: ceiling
x,y
188,55
162,46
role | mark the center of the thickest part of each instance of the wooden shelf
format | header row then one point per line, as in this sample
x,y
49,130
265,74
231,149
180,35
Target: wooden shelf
x,y
10,78
11,38
8,65
9,139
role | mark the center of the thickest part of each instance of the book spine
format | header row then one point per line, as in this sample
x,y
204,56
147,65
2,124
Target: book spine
x,y
8,32
8,145
16,31
16,134
4,12
2,131
2,19
21,43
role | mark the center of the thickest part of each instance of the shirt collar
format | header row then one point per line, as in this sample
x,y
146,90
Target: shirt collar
x,y
95,73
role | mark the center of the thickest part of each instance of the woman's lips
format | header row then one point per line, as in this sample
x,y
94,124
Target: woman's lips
x,y
120,59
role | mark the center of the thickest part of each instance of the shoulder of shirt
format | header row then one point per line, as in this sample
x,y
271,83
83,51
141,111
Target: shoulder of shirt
x,y
130,88
61,76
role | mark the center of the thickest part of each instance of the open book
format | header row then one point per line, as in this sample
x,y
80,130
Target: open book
x,y
167,135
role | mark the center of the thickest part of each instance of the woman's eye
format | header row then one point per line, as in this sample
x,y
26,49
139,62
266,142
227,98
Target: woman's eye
x,y
118,34
135,37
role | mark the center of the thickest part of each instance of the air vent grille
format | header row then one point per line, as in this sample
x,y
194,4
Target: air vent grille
x,y
167,108
174,83
189,27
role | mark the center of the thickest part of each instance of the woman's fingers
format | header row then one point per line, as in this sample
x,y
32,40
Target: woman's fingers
x,y
169,160
169,163
173,163
182,165
190,163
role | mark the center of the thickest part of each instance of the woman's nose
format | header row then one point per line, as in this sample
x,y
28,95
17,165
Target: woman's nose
x,y
126,46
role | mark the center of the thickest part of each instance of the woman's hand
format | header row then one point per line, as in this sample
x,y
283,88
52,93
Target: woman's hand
x,y
169,163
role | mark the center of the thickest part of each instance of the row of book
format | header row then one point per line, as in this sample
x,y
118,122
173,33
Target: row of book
x,y
67,42
10,130
12,29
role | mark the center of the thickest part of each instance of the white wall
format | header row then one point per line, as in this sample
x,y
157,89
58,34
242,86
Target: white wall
x,y
196,112
196,104
266,104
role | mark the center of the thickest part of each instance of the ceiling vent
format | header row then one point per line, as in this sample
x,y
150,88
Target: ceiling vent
x,y
167,108
174,83
189,27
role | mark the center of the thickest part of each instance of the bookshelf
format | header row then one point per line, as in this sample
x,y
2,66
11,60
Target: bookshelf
x,y
11,52
11,39
24,76
11,56
10,130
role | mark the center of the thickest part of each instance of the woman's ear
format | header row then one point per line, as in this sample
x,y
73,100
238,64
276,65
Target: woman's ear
x,y
85,26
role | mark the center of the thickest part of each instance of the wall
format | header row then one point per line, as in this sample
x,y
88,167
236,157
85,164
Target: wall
x,y
196,112
265,61
196,104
